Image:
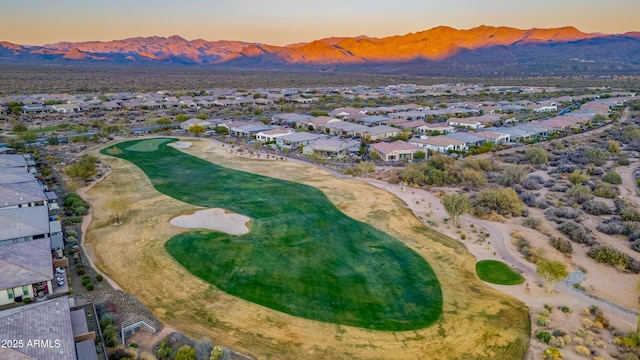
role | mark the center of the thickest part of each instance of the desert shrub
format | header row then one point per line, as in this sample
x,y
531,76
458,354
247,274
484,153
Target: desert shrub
x,y
559,332
527,197
577,233
580,332
562,245
612,177
543,336
582,350
628,356
533,223
623,160
587,323
90,287
543,311
532,182
632,230
99,278
503,201
74,219
512,174
563,212
542,321
596,207
121,353
186,352
559,187
566,168
594,156
85,282
557,341
524,247
577,177
611,227
629,134
541,203
477,164
605,190
535,155
81,211
110,335
630,214
80,271
580,193
611,256
472,179
552,354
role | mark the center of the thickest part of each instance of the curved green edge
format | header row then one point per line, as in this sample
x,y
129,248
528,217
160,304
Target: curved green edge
x,y
302,256
497,272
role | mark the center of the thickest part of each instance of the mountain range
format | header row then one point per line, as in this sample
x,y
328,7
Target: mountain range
x,y
437,51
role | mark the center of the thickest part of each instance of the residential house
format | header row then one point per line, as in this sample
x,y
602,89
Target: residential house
x,y
15,161
488,120
24,224
494,137
332,148
297,140
430,128
395,151
468,138
345,129
291,119
35,109
598,107
441,144
26,270
409,115
319,123
544,107
373,120
348,113
48,330
65,108
412,125
381,132
273,134
469,123
21,193
512,108
187,124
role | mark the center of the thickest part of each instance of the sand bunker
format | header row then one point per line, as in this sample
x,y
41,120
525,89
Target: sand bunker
x,y
213,219
181,145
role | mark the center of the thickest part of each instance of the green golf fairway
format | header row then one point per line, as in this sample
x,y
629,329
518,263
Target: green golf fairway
x,y
302,255
497,272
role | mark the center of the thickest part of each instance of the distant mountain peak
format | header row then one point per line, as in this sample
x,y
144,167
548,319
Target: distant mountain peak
x,y
483,47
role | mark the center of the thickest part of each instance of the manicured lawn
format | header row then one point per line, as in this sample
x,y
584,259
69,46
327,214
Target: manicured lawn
x,y
302,256
497,272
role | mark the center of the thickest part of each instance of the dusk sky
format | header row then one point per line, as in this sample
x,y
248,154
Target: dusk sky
x,y
280,22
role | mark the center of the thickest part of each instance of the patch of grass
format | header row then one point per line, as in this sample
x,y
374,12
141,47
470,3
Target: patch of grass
x,y
147,145
302,256
497,272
